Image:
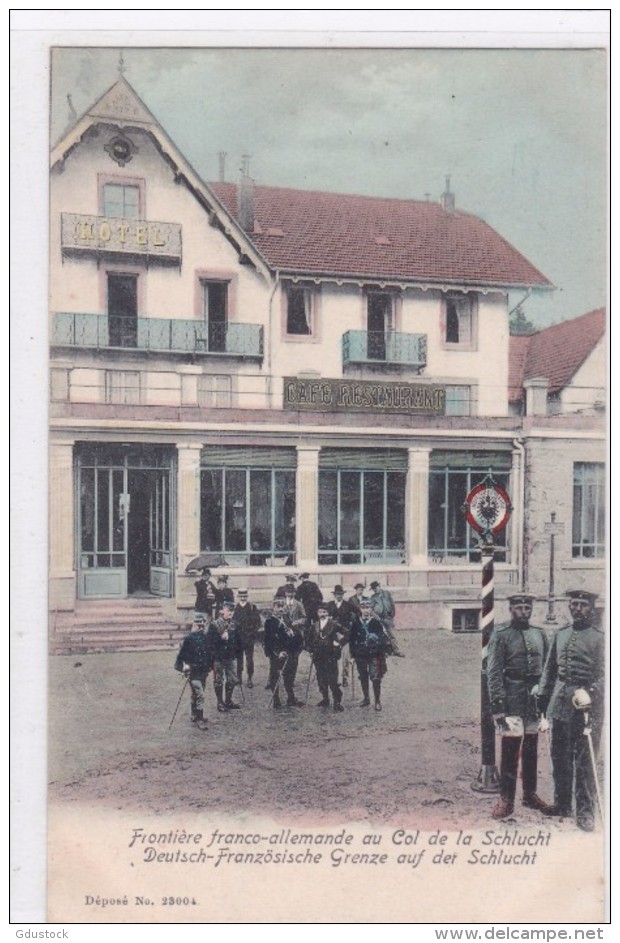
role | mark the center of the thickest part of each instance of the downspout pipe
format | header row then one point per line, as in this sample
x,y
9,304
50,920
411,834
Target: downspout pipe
x,y
269,343
519,447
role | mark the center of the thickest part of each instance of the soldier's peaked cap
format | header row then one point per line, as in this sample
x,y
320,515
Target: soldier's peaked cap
x,y
198,617
582,594
520,599
227,604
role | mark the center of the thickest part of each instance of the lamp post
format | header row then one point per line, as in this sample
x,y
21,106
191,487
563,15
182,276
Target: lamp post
x,y
487,509
552,528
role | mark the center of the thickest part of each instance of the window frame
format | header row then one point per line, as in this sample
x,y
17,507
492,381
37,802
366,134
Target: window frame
x,y
139,183
578,543
314,293
471,299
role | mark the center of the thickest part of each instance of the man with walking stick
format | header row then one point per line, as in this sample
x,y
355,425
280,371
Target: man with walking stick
x,y
282,644
224,642
195,662
571,692
325,640
369,644
247,619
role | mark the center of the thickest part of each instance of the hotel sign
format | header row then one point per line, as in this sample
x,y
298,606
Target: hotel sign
x,y
120,236
363,396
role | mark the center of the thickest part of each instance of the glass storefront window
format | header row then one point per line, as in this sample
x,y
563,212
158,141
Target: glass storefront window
x,y
450,538
361,516
248,515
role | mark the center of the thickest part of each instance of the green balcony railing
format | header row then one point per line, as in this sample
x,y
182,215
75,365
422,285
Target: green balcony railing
x,y
157,334
384,347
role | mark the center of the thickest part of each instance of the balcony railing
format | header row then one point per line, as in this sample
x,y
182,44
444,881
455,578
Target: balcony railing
x,y
384,347
102,331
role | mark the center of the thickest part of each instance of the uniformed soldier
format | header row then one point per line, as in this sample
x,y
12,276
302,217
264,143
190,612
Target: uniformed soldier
x,y
516,656
282,644
325,640
369,643
224,641
195,661
575,661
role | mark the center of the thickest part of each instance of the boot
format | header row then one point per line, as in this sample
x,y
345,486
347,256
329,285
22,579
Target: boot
x,y
276,702
338,701
199,720
292,701
529,774
507,778
324,702
366,701
229,701
376,690
220,700
250,682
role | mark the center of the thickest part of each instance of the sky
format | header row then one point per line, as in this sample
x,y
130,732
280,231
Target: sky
x,y
521,132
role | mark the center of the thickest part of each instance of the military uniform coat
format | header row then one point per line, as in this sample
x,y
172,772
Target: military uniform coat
x,y
515,662
576,660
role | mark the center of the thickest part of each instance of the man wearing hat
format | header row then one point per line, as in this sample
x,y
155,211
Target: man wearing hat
x,y
358,597
194,660
384,608
222,593
574,666
205,593
247,619
342,611
516,656
224,641
325,641
282,644
309,595
281,590
369,643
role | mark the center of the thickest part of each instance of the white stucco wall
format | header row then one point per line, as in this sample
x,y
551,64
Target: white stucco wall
x,y
587,387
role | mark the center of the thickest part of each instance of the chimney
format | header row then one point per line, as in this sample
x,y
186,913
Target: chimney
x,y
246,196
447,197
222,157
536,394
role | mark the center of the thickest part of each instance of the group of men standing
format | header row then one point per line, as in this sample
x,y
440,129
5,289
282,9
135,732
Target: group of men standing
x,y
225,632
533,683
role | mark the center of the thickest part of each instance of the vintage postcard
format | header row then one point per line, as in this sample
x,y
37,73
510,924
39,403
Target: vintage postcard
x,y
327,596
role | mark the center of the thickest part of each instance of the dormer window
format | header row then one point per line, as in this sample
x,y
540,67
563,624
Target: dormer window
x,y
459,317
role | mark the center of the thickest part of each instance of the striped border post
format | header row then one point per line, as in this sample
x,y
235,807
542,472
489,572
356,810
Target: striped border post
x,y
488,779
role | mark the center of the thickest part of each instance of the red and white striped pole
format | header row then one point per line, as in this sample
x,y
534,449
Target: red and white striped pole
x,y
488,779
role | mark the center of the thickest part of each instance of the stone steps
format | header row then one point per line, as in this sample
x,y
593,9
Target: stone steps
x,y
99,626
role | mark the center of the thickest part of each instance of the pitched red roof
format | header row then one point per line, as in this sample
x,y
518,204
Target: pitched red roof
x,y
556,352
312,232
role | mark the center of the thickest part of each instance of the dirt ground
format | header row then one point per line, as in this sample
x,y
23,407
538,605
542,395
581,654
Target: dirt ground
x,y
110,742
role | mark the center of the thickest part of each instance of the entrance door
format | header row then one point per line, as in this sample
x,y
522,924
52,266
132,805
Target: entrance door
x,y
379,323
122,310
125,527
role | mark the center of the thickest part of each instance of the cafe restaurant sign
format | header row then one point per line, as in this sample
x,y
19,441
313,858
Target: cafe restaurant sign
x,y
363,396
125,236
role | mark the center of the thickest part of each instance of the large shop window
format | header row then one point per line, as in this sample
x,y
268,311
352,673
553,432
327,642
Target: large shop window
x,y
452,476
362,507
588,509
247,506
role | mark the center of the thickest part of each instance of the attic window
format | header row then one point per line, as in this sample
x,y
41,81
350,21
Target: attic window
x,y
383,241
275,231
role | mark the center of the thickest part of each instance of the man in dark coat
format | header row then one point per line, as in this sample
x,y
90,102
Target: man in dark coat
x,y
516,655
205,594
309,595
194,660
358,597
282,644
384,608
222,593
369,643
343,612
288,583
325,640
576,663
247,619
224,641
